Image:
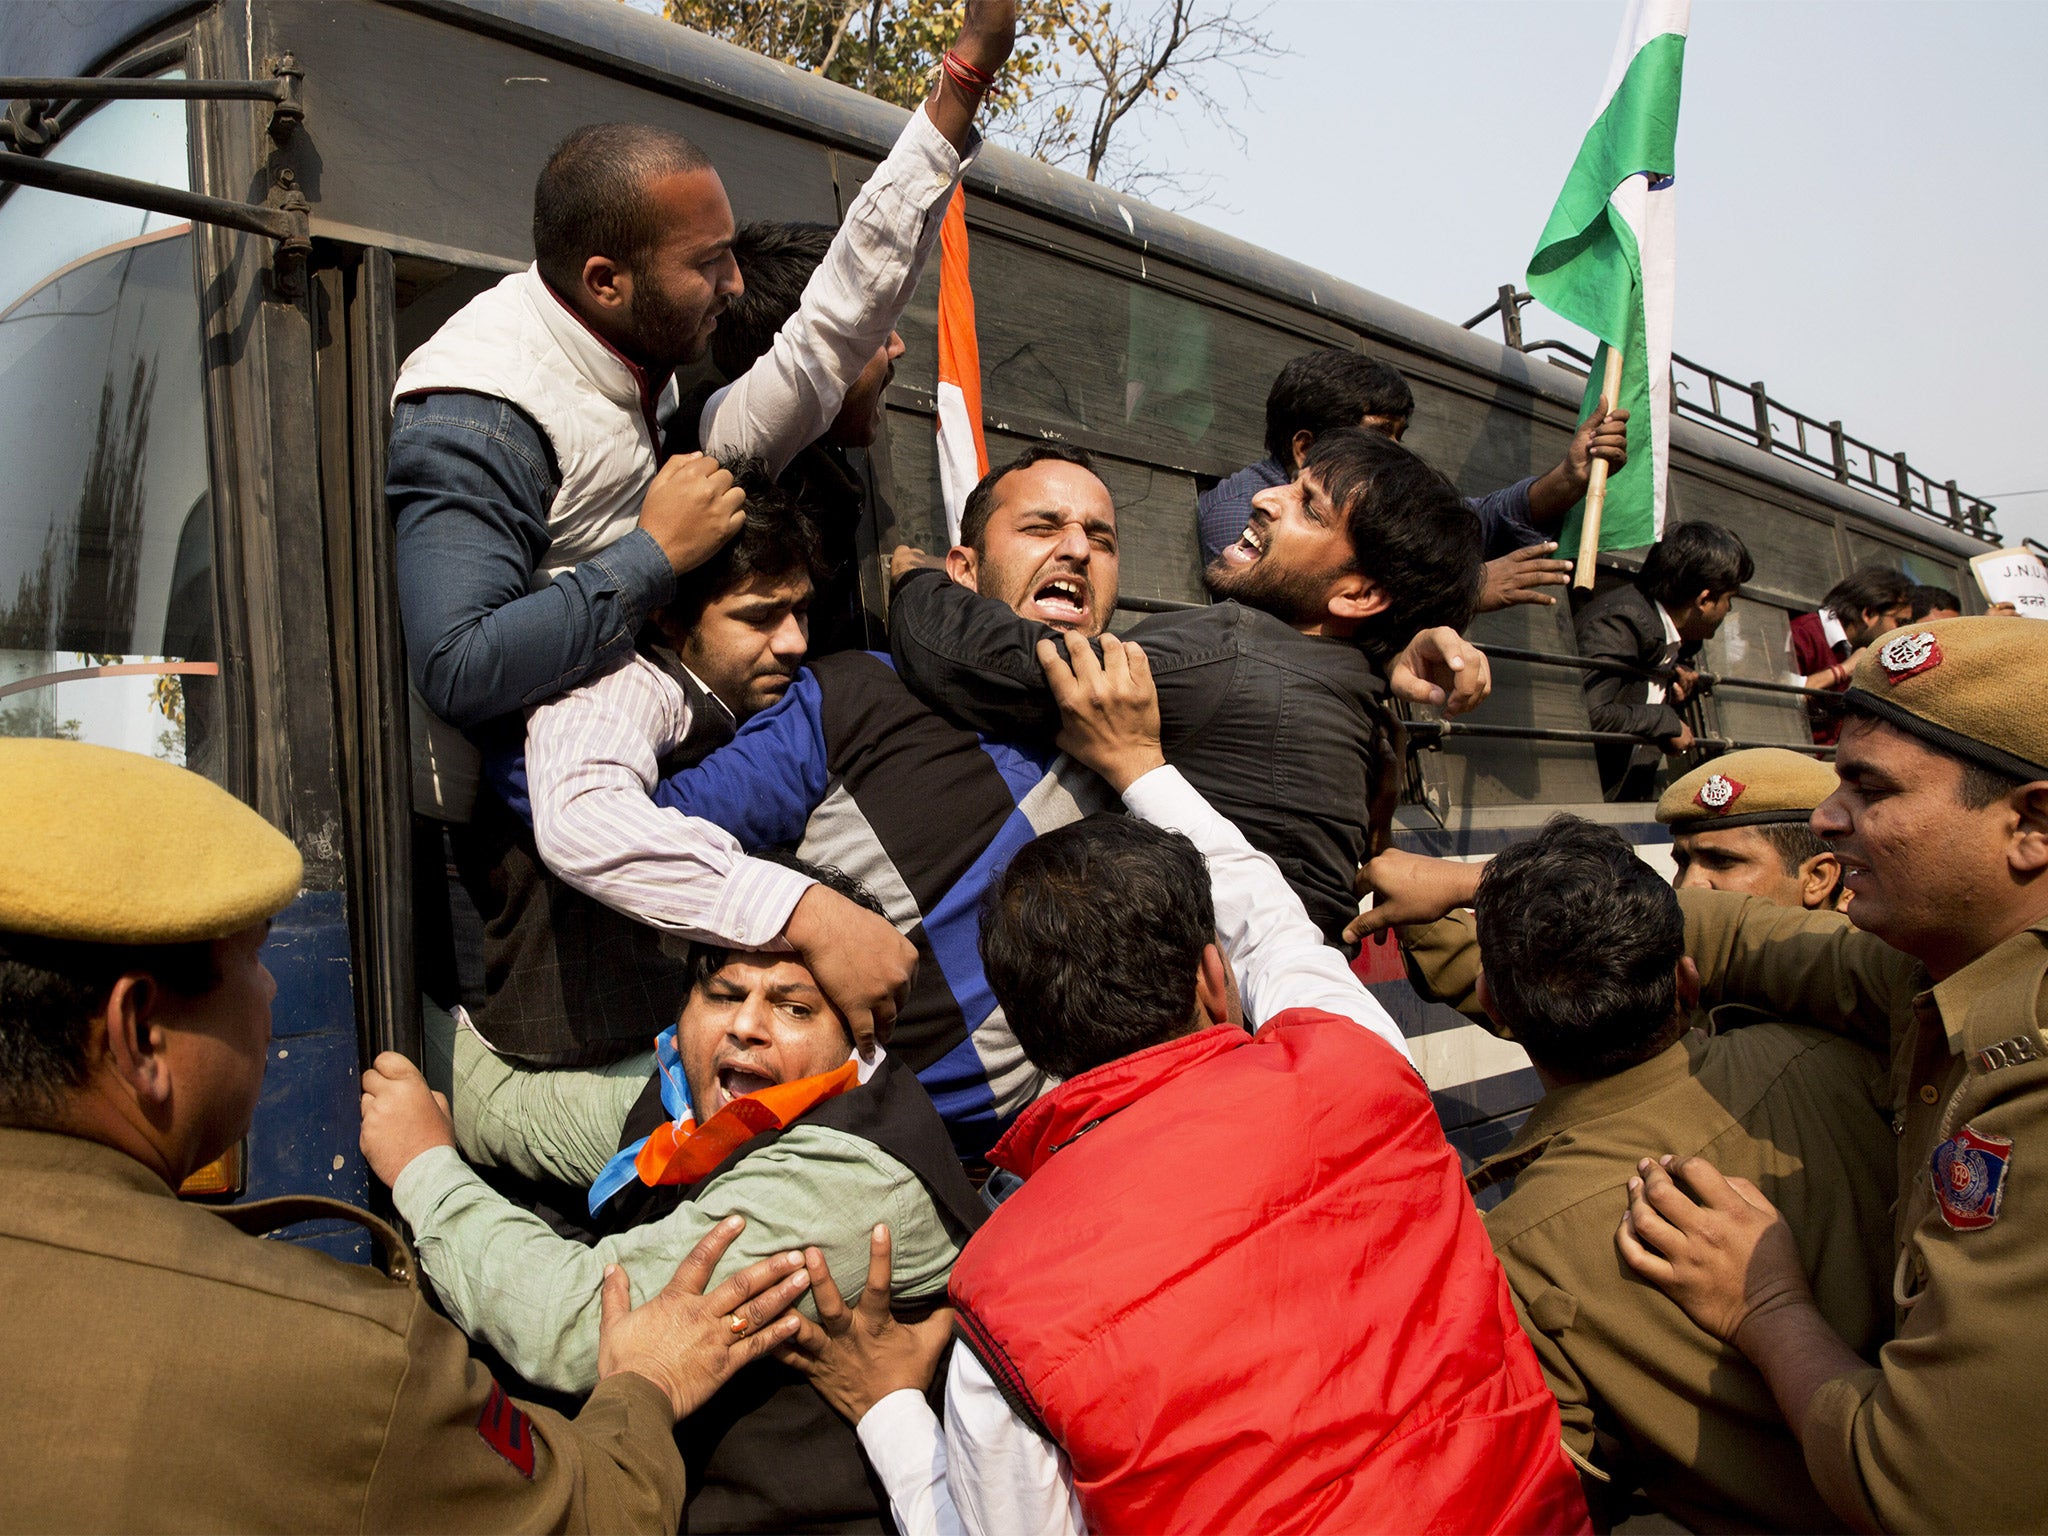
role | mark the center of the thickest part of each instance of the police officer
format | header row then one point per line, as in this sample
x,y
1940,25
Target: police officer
x,y
1739,823
1941,824
166,1370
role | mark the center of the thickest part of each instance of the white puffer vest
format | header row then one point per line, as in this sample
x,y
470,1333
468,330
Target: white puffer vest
x,y
518,342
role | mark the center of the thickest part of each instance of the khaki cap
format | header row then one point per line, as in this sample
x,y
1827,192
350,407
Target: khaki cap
x,y
108,847
1751,788
1969,686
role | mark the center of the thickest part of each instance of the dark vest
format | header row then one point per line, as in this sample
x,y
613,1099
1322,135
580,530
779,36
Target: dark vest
x,y
767,1453
567,980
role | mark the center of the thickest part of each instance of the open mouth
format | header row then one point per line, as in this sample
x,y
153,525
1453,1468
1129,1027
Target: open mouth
x,y
1249,549
1062,600
736,1081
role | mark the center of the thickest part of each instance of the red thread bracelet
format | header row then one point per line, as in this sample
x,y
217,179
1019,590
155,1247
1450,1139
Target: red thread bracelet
x,y
965,75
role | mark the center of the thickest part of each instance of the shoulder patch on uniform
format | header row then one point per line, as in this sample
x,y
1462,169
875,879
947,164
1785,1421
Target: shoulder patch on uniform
x,y
507,1431
1969,1178
2009,1053
1909,655
1718,793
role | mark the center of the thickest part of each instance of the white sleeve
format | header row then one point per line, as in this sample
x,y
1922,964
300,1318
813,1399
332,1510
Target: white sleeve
x,y
1006,1478
900,1435
592,757
1279,956
853,301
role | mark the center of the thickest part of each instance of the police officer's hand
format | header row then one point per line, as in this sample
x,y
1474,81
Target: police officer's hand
x,y
1520,576
856,1358
402,1117
1712,1244
1109,709
1602,435
1409,888
858,960
691,509
1440,666
687,1343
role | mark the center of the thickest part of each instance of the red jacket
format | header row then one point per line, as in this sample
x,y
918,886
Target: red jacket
x,y
1244,1289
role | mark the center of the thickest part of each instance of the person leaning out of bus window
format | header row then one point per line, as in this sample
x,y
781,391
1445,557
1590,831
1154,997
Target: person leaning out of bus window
x,y
1827,644
166,1368
1740,823
1335,388
1928,605
537,527
1574,948
1654,627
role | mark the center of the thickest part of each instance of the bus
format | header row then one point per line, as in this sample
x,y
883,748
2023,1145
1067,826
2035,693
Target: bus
x,y
222,226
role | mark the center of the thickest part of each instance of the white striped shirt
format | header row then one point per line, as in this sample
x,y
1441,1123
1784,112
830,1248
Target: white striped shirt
x,y
592,762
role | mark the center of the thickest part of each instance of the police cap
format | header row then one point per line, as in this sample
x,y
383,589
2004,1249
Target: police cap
x,y
1752,788
1969,686
106,847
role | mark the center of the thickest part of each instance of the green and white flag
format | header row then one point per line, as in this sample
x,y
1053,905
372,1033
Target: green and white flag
x,y
1606,260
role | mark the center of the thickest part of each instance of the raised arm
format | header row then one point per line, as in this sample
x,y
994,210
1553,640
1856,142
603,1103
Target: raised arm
x,y
971,658
856,297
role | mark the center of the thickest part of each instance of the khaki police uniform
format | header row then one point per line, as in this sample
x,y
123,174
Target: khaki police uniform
x,y
164,1368
1648,1398
1944,1432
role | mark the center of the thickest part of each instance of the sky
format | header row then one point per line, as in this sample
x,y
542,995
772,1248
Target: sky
x,y
1860,222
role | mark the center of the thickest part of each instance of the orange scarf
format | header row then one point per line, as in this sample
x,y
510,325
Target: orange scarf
x,y
684,1153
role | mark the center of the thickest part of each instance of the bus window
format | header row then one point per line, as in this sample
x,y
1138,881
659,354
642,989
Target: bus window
x,y
107,626
1928,570
1755,642
1794,551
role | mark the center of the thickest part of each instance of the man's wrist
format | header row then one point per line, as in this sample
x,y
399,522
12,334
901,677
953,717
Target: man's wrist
x,y
1124,771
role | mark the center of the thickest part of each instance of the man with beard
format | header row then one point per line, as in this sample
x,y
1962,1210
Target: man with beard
x,y
1274,706
1827,643
853,769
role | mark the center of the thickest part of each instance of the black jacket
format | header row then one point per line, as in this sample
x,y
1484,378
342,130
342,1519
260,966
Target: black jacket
x,y
1288,735
1623,625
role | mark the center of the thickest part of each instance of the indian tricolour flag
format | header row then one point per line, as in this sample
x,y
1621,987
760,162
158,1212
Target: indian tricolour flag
x,y
1606,260
963,457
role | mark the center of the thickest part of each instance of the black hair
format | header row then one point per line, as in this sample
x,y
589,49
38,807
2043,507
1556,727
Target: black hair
x,y
591,198
1794,842
50,990
707,960
1693,558
1329,388
1927,599
1868,589
1580,940
974,512
776,259
1411,532
1092,937
778,539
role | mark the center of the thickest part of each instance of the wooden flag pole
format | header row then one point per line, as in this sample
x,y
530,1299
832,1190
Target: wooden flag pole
x,y
1596,482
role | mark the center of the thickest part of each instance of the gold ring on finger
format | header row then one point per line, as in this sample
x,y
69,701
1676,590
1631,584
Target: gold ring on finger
x,y
737,1324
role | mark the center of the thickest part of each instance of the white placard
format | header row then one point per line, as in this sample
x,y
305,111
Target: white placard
x,y
2015,576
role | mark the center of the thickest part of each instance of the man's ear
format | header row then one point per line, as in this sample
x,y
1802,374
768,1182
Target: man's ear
x,y
606,284
1356,598
135,1042
1299,444
2029,850
1818,878
1482,994
1687,975
1215,991
963,567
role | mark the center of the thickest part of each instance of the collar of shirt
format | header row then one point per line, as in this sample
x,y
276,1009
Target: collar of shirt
x,y
617,378
706,687
1831,627
1996,996
1672,639
1574,1104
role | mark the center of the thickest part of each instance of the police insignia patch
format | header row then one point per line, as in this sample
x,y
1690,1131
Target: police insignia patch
x,y
507,1431
1969,1178
1909,655
1718,793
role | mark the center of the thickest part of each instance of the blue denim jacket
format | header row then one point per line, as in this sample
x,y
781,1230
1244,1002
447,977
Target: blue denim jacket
x,y
470,479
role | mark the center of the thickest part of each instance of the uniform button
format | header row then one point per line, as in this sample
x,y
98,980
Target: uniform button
x,y
1929,1094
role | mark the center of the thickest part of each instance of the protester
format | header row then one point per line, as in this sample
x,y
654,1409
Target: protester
x,y
534,532
1740,823
166,1368
852,767
1575,951
757,1108
1274,706
1931,604
1241,1287
1942,826
1330,388
1651,629
1826,645
568,980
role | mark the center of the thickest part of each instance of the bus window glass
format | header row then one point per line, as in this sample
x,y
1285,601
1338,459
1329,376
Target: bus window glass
x,y
1794,552
107,626
1755,642
1927,569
